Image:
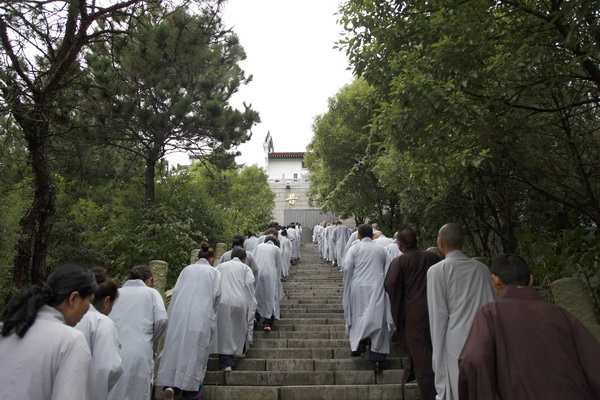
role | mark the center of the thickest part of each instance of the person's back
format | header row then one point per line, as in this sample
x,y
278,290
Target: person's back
x,y
269,290
523,347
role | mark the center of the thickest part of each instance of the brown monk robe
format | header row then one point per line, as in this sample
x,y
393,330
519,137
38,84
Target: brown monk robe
x,y
406,285
522,347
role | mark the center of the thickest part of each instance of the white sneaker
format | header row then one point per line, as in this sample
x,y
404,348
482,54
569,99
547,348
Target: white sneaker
x,y
227,369
169,394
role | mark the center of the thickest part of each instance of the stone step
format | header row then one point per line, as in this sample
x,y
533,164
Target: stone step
x,y
335,332
261,364
316,353
320,392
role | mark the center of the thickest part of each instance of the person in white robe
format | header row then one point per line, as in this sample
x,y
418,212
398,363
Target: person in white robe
x,y
456,288
102,337
141,319
269,290
250,243
236,310
393,251
351,240
342,235
381,239
321,240
299,234
42,356
315,234
331,256
192,314
292,235
239,241
366,305
286,253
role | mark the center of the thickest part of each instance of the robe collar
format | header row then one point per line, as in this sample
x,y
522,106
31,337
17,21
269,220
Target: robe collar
x,y
202,261
134,283
367,239
456,254
524,293
49,313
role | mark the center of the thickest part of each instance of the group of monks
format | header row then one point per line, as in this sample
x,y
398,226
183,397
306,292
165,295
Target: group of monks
x,y
470,331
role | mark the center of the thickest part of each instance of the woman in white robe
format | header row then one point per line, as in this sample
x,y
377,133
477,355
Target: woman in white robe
x,y
286,253
141,319
43,357
236,309
102,337
269,290
192,313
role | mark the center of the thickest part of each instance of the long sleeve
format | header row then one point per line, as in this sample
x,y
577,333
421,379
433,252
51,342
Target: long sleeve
x,y
477,362
73,378
107,363
160,317
438,314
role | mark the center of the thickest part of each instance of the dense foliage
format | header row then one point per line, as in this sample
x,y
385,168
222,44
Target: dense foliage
x,y
486,114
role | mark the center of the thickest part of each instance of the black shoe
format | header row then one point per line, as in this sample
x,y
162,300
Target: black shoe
x,y
355,354
378,366
362,345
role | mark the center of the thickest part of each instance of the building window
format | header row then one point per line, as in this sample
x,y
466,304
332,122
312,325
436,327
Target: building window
x,y
295,176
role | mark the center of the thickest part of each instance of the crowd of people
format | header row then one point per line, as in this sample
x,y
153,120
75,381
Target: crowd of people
x,y
470,332
78,336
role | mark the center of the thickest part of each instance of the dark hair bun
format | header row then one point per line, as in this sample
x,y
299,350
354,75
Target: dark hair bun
x,y
100,274
204,246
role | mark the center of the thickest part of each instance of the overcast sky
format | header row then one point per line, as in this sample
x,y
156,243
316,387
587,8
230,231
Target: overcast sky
x,y
295,69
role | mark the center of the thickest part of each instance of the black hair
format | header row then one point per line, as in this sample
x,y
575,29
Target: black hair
x,y
283,233
239,253
272,239
141,271
365,230
22,310
511,269
237,240
205,251
106,287
407,236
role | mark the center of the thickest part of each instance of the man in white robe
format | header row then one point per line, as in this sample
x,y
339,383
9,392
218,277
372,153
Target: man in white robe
x,y
342,234
250,243
236,309
286,253
331,256
381,239
315,232
238,241
293,237
456,288
141,320
192,313
269,290
366,305
321,240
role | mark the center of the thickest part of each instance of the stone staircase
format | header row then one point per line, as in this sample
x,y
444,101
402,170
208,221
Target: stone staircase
x,y
307,354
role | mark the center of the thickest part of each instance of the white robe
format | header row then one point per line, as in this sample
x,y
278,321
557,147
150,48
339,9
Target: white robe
x,y
456,288
250,244
315,233
366,305
250,261
141,319
269,290
236,308
51,362
383,240
102,337
294,237
321,241
392,252
192,314
286,255
342,234
330,243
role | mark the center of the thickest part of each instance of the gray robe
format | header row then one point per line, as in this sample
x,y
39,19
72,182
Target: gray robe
x,y
141,319
102,337
286,254
236,308
269,290
456,288
192,313
250,261
341,234
51,362
330,243
366,305
250,243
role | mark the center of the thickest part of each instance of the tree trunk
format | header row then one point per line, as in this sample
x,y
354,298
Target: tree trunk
x,y
149,180
36,225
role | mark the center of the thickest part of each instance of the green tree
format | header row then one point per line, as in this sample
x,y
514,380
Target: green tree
x,y
166,87
40,45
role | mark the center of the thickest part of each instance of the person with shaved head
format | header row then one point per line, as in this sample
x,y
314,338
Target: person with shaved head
x,y
456,288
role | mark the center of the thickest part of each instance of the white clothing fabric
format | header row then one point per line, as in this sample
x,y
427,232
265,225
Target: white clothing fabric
x,y
456,288
51,362
341,235
294,237
236,308
315,233
366,305
330,243
269,290
321,241
102,337
286,254
383,240
250,244
192,313
392,251
250,261
141,319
